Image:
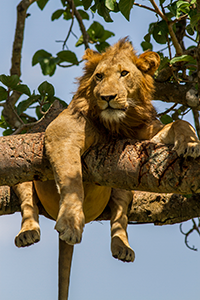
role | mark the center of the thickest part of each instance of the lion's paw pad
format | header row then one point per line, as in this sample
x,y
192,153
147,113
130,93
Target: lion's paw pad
x,y
122,252
27,238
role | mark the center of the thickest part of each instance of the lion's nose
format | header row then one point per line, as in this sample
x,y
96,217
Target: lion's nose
x,y
108,97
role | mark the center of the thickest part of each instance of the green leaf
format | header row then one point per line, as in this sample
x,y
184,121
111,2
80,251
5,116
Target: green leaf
x,y
160,32
95,31
78,3
23,105
106,35
161,1
164,61
42,3
110,4
87,3
125,7
68,56
147,37
48,66
46,61
189,29
22,88
166,119
38,112
182,3
67,15
79,42
40,54
9,81
146,46
3,123
83,14
63,2
104,12
184,57
7,132
194,20
46,88
102,46
57,14
173,9
3,93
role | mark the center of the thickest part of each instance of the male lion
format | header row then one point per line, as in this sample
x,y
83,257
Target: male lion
x,y
113,101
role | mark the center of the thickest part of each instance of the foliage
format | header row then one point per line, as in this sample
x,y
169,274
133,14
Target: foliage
x,y
175,21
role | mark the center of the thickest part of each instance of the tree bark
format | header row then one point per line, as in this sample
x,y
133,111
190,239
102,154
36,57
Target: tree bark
x,y
126,164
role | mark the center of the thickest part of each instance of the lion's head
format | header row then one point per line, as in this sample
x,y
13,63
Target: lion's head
x,y
117,86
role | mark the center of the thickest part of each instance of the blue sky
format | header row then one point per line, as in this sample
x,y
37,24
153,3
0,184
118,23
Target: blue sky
x,y
164,268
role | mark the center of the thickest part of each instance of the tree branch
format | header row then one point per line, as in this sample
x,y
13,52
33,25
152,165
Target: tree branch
x,y
9,115
80,22
176,93
19,36
125,164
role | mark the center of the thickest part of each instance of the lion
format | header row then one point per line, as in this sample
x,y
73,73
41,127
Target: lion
x,y
113,101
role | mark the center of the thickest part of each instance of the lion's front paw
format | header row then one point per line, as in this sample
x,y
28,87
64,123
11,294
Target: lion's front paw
x,y
28,235
121,251
70,228
191,149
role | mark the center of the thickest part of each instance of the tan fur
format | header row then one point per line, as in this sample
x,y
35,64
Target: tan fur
x,y
113,100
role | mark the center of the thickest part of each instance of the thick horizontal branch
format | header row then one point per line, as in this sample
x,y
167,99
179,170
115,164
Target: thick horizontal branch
x,y
176,93
125,164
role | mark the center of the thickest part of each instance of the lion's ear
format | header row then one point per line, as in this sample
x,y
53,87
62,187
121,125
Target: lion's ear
x,y
148,62
91,55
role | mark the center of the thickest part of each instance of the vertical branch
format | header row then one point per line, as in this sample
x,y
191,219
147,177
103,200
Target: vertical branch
x,y
19,36
8,112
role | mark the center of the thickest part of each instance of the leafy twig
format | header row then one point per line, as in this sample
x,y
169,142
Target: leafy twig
x,y
176,44
70,29
80,21
168,110
144,6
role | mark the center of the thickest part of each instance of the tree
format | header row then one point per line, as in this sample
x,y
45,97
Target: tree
x,y
176,80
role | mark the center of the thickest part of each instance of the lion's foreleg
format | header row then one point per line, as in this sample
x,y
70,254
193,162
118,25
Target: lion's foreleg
x,y
65,259
30,229
118,203
182,135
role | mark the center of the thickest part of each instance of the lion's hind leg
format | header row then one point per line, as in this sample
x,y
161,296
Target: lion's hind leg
x,y
30,229
118,203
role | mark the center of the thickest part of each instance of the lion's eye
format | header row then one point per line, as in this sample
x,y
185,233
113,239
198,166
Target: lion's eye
x,y
124,73
99,76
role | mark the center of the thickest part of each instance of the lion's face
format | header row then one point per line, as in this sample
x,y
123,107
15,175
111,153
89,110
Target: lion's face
x,y
117,81
117,86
